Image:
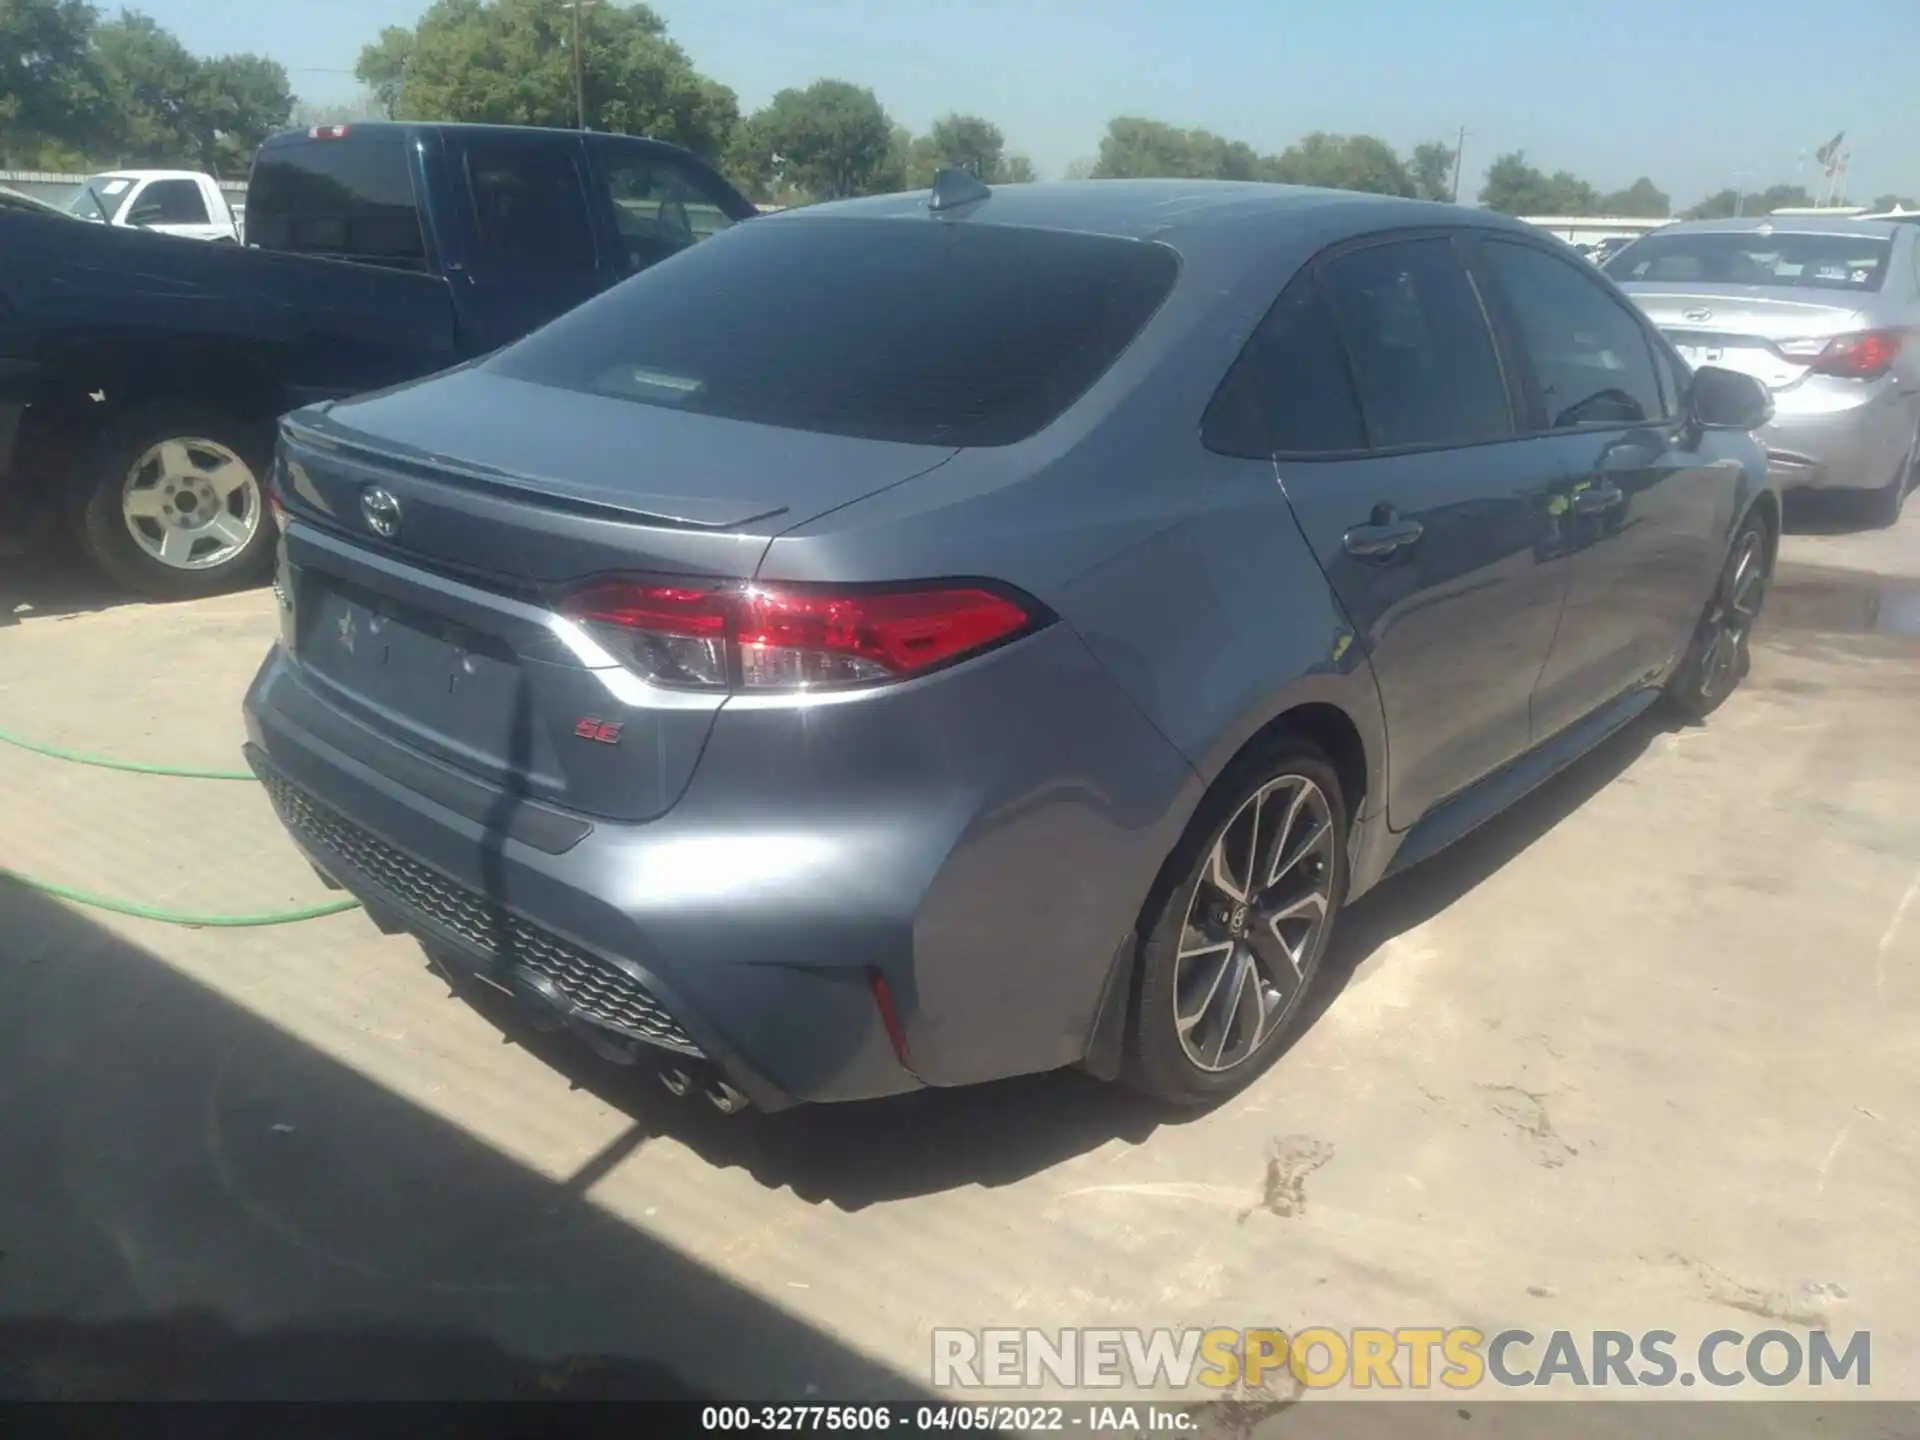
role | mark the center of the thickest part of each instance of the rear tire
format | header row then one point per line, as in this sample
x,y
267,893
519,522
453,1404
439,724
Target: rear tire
x,y
172,502
1883,506
1231,945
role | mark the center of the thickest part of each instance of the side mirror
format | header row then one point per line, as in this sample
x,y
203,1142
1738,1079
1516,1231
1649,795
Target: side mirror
x,y
1727,400
142,216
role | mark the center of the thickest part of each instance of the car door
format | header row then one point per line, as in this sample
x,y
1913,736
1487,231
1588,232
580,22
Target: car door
x,y
1646,509
1432,525
534,254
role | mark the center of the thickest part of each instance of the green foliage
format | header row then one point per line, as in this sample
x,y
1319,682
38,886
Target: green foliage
x,y
969,143
1894,202
1514,187
1642,199
1136,148
1431,170
1725,203
76,93
1341,162
511,62
826,142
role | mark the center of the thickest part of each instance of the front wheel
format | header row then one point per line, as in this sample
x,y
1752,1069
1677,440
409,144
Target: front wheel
x,y
173,504
1232,948
1720,654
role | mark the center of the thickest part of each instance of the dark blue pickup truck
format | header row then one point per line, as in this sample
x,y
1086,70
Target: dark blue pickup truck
x,y
140,374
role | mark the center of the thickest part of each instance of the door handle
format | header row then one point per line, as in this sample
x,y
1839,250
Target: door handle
x,y
1598,500
1385,535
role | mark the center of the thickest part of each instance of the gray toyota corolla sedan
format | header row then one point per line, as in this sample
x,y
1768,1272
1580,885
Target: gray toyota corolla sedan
x,y
918,640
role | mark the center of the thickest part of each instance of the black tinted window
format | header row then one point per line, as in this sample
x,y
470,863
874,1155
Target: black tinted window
x,y
1291,392
172,202
349,198
531,209
1772,259
1421,350
1589,355
912,330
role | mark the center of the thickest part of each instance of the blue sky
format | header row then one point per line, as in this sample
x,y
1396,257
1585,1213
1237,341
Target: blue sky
x,y
1695,93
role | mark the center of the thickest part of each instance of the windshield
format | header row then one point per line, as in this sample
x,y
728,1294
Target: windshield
x,y
1789,261
919,332
100,198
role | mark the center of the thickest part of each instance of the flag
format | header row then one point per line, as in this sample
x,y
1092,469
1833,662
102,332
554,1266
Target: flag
x,y
1826,153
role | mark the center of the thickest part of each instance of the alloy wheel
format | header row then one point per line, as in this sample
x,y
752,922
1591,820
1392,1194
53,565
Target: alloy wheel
x,y
1730,623
1254,923
191,504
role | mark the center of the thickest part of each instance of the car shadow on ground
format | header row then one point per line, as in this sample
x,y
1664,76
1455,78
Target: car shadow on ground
x,y
54,580
860,1154
199,1206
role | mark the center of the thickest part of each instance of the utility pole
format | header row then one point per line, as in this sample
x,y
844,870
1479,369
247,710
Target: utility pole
x,y
1459,148
579,74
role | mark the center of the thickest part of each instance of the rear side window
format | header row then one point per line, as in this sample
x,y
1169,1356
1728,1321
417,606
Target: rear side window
x,y
659,209
913,330
1291,392
1421,350
173,202
1589,355
351,199
530,207
1773,259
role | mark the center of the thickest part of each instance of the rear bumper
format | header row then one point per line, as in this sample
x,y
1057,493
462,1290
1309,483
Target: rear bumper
x,y
1840,435
983,839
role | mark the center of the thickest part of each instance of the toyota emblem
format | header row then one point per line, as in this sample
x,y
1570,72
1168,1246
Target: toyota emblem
x,y
1698,314
381,512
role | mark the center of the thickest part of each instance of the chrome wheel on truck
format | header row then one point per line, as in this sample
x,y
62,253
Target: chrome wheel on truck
x,y
173,501
191,503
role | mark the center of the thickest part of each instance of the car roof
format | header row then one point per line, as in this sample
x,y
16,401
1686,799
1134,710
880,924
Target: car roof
x,y
1787,225
148,175
1178,212
400,129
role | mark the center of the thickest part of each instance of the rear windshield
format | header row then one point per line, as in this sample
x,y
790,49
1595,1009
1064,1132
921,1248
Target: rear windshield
x,y
1793,262
912,330
351,199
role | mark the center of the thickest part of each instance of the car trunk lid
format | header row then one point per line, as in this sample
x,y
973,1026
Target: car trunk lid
x,y
1742,327
423,589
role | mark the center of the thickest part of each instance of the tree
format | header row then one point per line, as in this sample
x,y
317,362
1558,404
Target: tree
x,y
1642,198
1516,188
825,142
1894,202
48,94
1342,162
76,92
1137,148
969,143
510,62
1431,170
1724,203
382,68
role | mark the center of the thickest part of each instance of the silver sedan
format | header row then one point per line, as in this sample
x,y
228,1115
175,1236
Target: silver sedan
x,y
1826,313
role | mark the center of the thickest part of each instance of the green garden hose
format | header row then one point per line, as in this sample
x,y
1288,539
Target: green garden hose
x,y
152,912
106,762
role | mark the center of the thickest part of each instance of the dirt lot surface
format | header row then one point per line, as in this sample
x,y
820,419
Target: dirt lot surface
x,y
1641,1054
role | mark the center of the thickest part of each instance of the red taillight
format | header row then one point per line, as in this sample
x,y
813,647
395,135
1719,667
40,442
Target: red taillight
x,y
883,1002
328,132
1860,356
793,637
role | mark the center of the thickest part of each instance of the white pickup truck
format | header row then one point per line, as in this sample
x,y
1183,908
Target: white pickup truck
x,y
167,202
